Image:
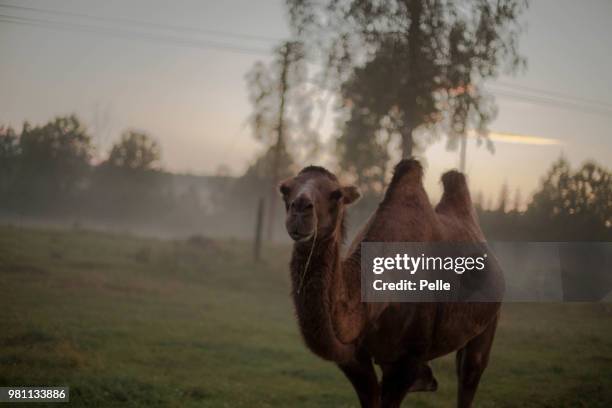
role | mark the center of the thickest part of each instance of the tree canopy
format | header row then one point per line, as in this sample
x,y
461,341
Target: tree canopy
x,y
584,195
403,65
135,150
56,154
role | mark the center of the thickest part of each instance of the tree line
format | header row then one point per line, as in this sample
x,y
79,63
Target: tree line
x,y
569,205
53,172
48,170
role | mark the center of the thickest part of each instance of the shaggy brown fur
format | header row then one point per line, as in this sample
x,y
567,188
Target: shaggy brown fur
x,y
400,337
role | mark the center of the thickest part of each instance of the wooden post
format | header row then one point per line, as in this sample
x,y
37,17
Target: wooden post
x,y
258,229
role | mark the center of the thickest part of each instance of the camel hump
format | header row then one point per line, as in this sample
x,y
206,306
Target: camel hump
x,y
454,181
407,171
406,167
456,197
407,181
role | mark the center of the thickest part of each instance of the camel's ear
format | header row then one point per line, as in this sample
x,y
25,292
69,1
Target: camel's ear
x,y
350,194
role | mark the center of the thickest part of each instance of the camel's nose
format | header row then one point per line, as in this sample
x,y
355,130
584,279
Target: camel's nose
x,y
302,204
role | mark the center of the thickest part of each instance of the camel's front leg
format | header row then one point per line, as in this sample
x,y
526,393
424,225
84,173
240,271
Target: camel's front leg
x,y
362,376
471,362
397,380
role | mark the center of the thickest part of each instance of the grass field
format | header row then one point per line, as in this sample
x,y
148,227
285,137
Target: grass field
x,y
142,322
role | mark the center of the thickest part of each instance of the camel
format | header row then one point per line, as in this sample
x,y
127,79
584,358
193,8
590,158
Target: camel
x,y
399,337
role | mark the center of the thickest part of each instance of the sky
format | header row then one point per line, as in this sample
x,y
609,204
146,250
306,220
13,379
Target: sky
x,y
193,98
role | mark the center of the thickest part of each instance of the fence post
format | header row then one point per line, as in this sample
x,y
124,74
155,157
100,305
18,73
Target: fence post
x,y
258,229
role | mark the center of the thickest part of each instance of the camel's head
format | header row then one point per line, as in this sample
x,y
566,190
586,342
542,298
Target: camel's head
x,y
314,200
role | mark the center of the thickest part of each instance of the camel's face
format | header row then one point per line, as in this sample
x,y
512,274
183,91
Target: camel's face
x,y
314,199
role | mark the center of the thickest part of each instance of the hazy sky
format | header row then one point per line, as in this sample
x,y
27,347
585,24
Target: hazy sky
x,y
193,99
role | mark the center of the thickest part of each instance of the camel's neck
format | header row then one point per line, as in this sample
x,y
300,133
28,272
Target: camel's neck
x,y
319,294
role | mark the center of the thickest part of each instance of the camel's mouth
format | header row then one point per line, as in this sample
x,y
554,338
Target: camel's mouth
x,y
299,237
300,227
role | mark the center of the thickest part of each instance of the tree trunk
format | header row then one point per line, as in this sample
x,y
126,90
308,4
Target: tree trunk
x,y
272,198
463,153
278,148
407,142
415,43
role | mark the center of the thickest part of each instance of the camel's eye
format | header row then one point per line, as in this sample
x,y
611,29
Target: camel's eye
x,y
335,195
284,189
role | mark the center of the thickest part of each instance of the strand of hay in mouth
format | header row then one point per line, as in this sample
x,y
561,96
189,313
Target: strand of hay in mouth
x,y
314,241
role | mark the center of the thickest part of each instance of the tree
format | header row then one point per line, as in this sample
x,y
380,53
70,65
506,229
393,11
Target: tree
x,y
404,65
9,144
9,155
479,201
55,157
129,185
568,206
363,149
503,198
578,199
137,151
257,176
577,206
518,200
282,113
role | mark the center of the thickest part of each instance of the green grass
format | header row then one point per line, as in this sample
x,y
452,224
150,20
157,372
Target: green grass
x,y
142,322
